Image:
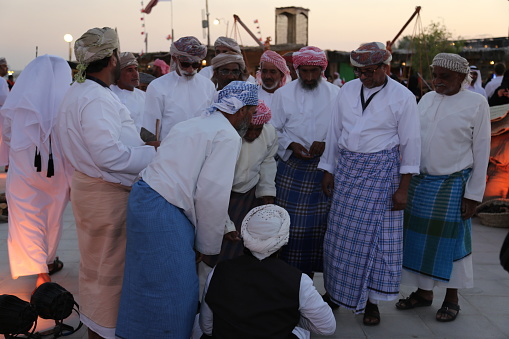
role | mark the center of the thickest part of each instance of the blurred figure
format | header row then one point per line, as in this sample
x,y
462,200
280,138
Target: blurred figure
x,y
337,80
37,185
289,63
476,82
501,94
10,81
145,80
494,83
4,87
160,68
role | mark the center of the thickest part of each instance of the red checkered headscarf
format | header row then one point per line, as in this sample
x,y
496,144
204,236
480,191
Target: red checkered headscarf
x,y
262,115
279,62
309,56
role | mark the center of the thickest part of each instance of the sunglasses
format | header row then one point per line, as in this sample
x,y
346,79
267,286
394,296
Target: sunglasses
x,y
367,73
195,65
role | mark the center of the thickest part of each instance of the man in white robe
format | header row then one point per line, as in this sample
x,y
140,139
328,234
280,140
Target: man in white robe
x,y
37,195
179,206
4,87
100,140
456,135
125,88
301,115
476,83
228,67
273,74
181,94
372,149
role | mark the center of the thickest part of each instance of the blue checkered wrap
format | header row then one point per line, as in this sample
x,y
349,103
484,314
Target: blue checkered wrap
x,y
364,240
299,191
234,96
434,234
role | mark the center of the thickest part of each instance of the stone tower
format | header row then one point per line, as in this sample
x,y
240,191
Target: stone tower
x,y
292,25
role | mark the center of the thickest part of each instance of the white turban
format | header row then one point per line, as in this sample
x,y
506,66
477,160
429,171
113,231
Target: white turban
x,y
452,62
228,42
127,59
265,230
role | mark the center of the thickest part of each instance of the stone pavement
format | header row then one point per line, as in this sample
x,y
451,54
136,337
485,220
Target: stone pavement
x,y
484,308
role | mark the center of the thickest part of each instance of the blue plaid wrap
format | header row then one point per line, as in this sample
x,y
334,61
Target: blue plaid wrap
x,y
364,240
299,191
434,234
234,96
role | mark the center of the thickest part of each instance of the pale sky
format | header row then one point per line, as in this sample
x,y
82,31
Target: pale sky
x,y
333,24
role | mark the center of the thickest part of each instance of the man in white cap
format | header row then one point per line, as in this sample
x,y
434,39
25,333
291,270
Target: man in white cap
x,y
100,140
179,206
371,151
301,112
181,94
221,45
37,186
125,88
257,295
228,67
273,74
455,133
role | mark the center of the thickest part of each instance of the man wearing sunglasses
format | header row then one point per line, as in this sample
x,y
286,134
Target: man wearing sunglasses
x,y
371,151
181,94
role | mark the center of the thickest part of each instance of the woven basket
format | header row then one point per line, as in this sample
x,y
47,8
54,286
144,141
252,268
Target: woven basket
x,y
498,219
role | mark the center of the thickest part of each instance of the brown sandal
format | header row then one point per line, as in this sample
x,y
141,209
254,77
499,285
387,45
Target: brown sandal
x,y
371,311
407,304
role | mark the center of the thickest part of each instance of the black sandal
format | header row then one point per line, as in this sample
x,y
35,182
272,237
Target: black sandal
x,y
371,311
445,309
406,304
57,266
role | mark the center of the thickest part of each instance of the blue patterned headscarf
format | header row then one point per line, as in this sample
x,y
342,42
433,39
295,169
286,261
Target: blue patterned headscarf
x,y
234,96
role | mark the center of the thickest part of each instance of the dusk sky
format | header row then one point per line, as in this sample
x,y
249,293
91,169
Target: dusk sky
x,y
333,24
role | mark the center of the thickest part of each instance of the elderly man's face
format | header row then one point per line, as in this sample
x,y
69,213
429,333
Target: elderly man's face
x,y
187,67
129,78
226,74
371,76
445,81
253,132
244,119
3,70
271,77
310,76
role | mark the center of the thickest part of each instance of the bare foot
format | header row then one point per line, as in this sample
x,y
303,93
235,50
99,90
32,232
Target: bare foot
x,y
42,278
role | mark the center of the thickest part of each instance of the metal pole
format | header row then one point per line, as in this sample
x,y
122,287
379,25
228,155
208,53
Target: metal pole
x,y
70,51
172,36
208,22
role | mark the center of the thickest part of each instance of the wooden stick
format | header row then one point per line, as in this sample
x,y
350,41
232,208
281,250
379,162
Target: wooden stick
x,y
158,123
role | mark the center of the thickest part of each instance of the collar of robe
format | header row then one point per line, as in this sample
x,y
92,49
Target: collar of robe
x,y
99,81
366,103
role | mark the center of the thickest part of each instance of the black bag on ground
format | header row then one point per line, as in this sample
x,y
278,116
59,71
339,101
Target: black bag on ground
x,y
16,316
504,254
52,301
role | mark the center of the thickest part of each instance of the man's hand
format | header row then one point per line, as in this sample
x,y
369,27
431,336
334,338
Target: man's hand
x,y
468,208
267,200
300,151
327,183
232,236
317,148
399,199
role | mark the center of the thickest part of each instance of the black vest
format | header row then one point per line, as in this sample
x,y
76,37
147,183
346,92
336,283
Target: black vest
x,y
253,299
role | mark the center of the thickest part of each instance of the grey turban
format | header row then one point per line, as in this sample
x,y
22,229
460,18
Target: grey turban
x,y
452,62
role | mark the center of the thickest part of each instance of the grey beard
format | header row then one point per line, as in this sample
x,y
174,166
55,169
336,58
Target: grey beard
x,y
242,129
312,86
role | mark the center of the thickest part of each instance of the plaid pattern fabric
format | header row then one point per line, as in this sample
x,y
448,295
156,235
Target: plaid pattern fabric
x,y
240,205
434,233
364,240
299,191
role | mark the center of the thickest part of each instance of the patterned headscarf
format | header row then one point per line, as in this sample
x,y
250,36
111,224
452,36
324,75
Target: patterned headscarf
x,y
234,96
127,59
265,229
230,58
452,62
165,68
188,49
372,53
262,115
228,42
95,44
309,56
278,61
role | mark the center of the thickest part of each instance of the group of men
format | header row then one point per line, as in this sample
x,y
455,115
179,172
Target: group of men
x,y
361,173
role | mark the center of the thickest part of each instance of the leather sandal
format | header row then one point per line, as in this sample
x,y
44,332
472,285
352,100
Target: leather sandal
x,y
56,266
445,309
371,311
407,304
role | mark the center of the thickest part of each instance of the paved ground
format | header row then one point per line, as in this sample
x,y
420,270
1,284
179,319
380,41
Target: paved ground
x,y
484,309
